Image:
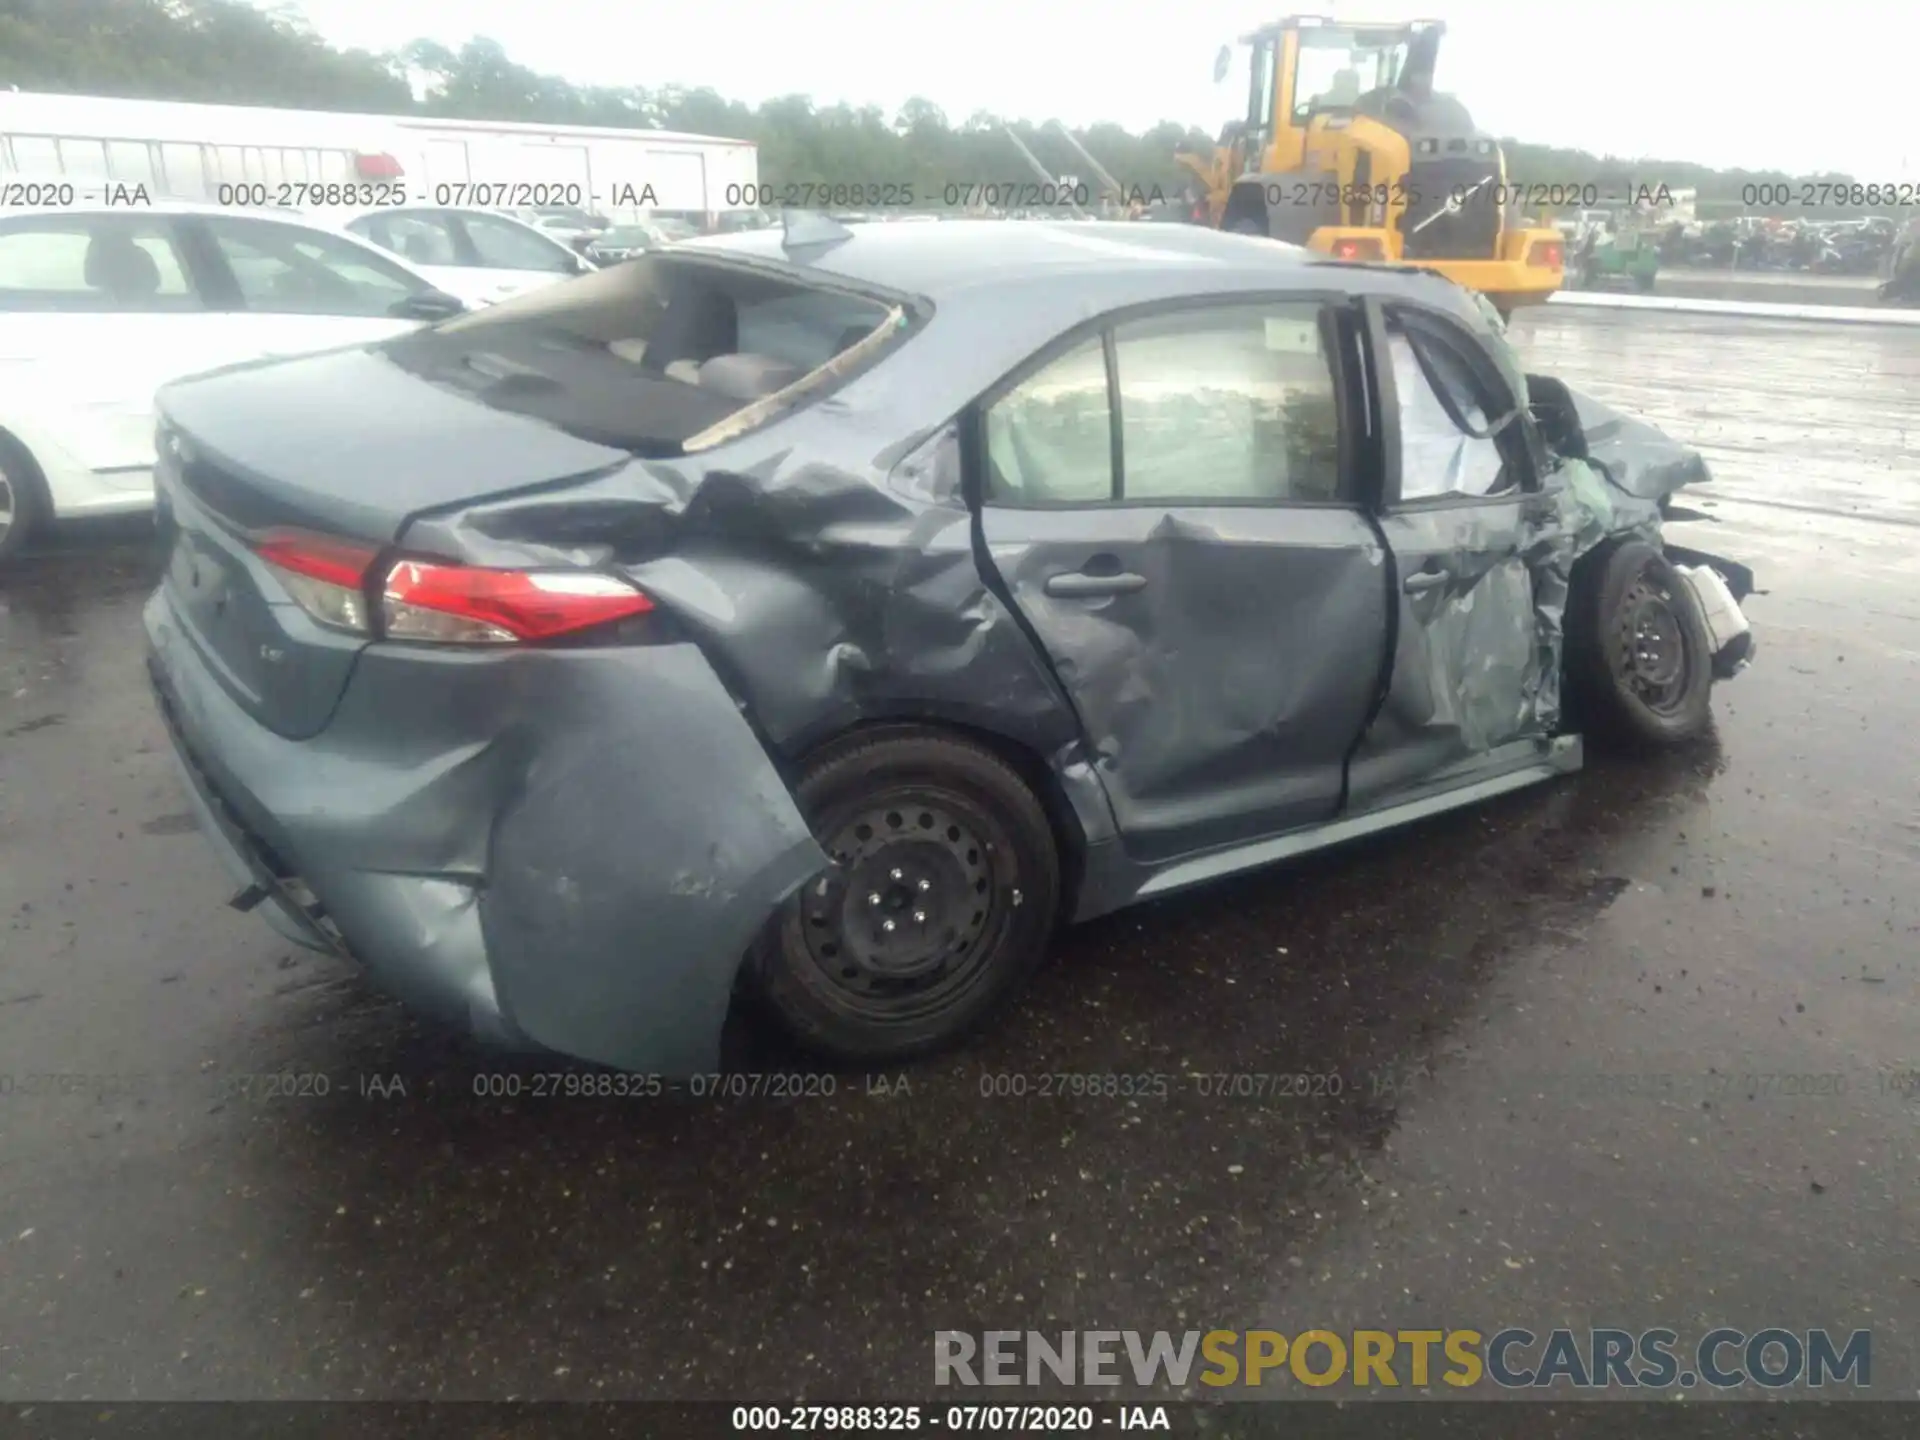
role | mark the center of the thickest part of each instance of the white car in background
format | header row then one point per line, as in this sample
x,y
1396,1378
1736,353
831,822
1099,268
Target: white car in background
x,y
483,256
569,224
639,237
100,306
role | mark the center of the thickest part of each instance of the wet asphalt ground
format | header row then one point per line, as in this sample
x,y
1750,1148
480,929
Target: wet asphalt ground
x,y
1636,1048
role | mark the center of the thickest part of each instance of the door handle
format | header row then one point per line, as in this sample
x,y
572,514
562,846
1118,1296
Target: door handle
x,y
1081,586
1424,580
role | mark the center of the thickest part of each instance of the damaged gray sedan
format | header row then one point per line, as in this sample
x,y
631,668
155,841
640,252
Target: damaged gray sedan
x,y
817,619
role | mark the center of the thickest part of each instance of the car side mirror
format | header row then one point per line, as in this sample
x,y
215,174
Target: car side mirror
x,y
429,305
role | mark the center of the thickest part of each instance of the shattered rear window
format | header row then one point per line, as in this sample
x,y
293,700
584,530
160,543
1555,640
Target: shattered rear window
x,y
652,355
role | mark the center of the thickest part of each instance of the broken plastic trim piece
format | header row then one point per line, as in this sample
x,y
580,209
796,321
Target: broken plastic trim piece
x,y
764,409
1739,579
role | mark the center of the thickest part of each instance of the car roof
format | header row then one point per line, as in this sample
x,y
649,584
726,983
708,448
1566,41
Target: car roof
x,y
273,214
280,214
159,207
1065,265
366,212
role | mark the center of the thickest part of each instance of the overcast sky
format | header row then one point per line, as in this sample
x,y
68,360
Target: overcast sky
x,y
1800,88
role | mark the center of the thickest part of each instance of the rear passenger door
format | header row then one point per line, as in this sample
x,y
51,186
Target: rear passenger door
x,y
1173,504
97,311
1461,495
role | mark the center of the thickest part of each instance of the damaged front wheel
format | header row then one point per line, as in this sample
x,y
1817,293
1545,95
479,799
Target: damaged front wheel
x,y
1639,658
940,899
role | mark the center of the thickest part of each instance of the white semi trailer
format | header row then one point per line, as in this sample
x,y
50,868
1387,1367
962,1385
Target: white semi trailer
x,y
52,146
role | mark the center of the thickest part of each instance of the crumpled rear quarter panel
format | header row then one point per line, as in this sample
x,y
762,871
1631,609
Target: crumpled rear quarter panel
x,y
647,837
826,569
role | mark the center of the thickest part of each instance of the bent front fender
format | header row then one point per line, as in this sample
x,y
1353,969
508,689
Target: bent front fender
x,y
644,849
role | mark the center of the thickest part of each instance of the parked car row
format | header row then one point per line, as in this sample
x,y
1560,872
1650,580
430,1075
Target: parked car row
x,y
1756,242
624,242
483,256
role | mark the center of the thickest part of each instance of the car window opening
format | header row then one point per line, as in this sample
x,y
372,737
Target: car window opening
x,y
1223,405
1454,386
661,356
1446,445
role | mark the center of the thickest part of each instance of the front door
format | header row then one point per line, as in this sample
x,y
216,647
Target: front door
x,y
1172,504
1458,506
291,289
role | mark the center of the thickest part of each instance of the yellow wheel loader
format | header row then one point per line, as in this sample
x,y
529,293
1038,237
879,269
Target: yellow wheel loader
x,y
1346,149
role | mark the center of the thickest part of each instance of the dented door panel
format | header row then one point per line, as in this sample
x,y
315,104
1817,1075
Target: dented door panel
x,y
1467,668
1221,694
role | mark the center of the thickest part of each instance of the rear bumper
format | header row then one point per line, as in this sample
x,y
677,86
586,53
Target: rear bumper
x,y
568,850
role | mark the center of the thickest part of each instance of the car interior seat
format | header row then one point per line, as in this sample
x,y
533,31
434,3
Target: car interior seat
x,y
699,324
118,266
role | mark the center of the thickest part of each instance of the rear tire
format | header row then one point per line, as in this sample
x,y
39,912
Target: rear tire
x,y
940,902
23,498
1639,662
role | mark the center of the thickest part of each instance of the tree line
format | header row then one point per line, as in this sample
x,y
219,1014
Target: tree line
x,y
229,52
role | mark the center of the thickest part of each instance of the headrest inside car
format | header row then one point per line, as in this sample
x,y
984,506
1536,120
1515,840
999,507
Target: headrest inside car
x,y
121,268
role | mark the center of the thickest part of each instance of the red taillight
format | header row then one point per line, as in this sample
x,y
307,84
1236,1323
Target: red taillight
x,y
431,602
327,578
377,167
316,556
1548,253
461,605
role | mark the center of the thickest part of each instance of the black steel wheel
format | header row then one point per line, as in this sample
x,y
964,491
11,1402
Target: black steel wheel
x,y
1649,643
1639,660
939,902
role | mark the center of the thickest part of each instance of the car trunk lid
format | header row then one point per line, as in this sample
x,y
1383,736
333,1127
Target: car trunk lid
x,y
351,444
345,446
